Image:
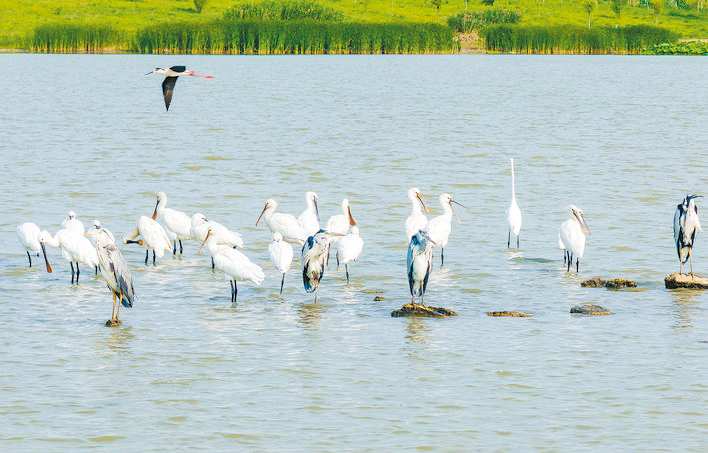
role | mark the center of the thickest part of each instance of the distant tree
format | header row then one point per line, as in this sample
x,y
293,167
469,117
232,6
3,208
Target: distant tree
x,y
657,6
199,5
616,6
589,7
436,4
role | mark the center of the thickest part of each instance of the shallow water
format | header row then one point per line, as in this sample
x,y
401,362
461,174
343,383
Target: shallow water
x,y
623,138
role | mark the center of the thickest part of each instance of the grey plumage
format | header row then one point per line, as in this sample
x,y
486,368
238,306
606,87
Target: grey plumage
x,y
419,263
315,254
115,271
686,223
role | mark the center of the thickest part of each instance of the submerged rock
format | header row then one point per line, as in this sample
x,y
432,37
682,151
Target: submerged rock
x,y
379,298
689,281
512,314
413,309
590,309
620,283
113,323
595,282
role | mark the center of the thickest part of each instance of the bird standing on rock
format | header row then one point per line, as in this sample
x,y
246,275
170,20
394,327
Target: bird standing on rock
x,y
686,223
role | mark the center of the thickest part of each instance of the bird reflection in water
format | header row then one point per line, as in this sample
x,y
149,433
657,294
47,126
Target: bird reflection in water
x,y
115,341
418,331
684,308
309,316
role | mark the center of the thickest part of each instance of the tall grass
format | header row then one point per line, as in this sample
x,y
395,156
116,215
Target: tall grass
x,y
464,22
293,37
74,38
575,39
282,10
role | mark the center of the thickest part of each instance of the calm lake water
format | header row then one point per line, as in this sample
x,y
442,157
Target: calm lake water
x,y
623,138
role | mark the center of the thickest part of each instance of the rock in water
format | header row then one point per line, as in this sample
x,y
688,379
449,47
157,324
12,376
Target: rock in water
x,y
689,281
595,282
413,309
620,283
113,323
511,314
590,309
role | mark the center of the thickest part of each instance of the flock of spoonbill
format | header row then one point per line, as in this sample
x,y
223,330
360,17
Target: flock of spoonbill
x,y
423,235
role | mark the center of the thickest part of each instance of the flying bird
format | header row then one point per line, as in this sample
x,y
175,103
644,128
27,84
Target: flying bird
x,y
686,223
419,263
349,248
572,235
513,214
281,255
416,221
114,271
171,74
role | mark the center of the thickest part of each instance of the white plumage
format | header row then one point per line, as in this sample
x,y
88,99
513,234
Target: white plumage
x,y
419,262
153,237
28,236
416,221
281,255
686,224
73,224
349,248
285,224
440,227
513,214
572,235
310,217
177,224
75,248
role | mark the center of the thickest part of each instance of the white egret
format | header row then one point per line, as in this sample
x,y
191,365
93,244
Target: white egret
x,y
177,224
315,254
572,234
115,272
419,262
310,217
28,235
171,74
75,248
416,221
440,227
73,224
234,264
513,214
686,223
349,248
153,237
281,255
285,224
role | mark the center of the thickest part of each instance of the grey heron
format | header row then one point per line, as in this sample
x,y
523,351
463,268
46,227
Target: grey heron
x,y
171,74
686,224
114,271
513,214
416,221
572,235
315,254
419,262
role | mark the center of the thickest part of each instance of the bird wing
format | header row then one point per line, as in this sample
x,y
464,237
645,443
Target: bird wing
x,y
121,272
168,86
178,68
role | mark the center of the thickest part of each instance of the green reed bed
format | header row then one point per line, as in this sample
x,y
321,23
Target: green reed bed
x,y
293,37
681,48
575,39
282,10
74,38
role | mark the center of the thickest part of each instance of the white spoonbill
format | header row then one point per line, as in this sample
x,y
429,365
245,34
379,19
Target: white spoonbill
x,y
310,217
419,262
200,227
285,224
572,234
315,254
686,223
339,224
96,227
440,227
349,248
416,221
513,214
234,264
115,272
177,224
281,255
28,235
75,248
73,224
171,74
153,237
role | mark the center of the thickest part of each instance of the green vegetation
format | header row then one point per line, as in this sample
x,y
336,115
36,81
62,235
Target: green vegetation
x,y
575,38
478,20
681,48
69,38
283,10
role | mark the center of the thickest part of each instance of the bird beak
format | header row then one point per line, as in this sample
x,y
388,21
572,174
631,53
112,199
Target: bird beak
x,y
205,239
317,211
421,202
351,219
130,241
259,217
46,261
581,221
453,209
151,72
154,213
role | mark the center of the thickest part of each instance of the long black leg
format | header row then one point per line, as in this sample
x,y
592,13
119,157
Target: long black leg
x,y
212,263
570,261
517,241
281,283
147,254
577,265
29,258
153,256
174,247
337,258
180,246
508,240
235,291
346,269
77,273
71,263
442,256
96,270
232,290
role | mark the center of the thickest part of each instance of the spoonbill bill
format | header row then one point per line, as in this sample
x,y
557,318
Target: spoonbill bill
x,y
572,234
285,224
177,224
154,237
513,214
686,223
310,217
171,74
416,221
114,271
234,264
75,248
281,255
419,263
350,247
